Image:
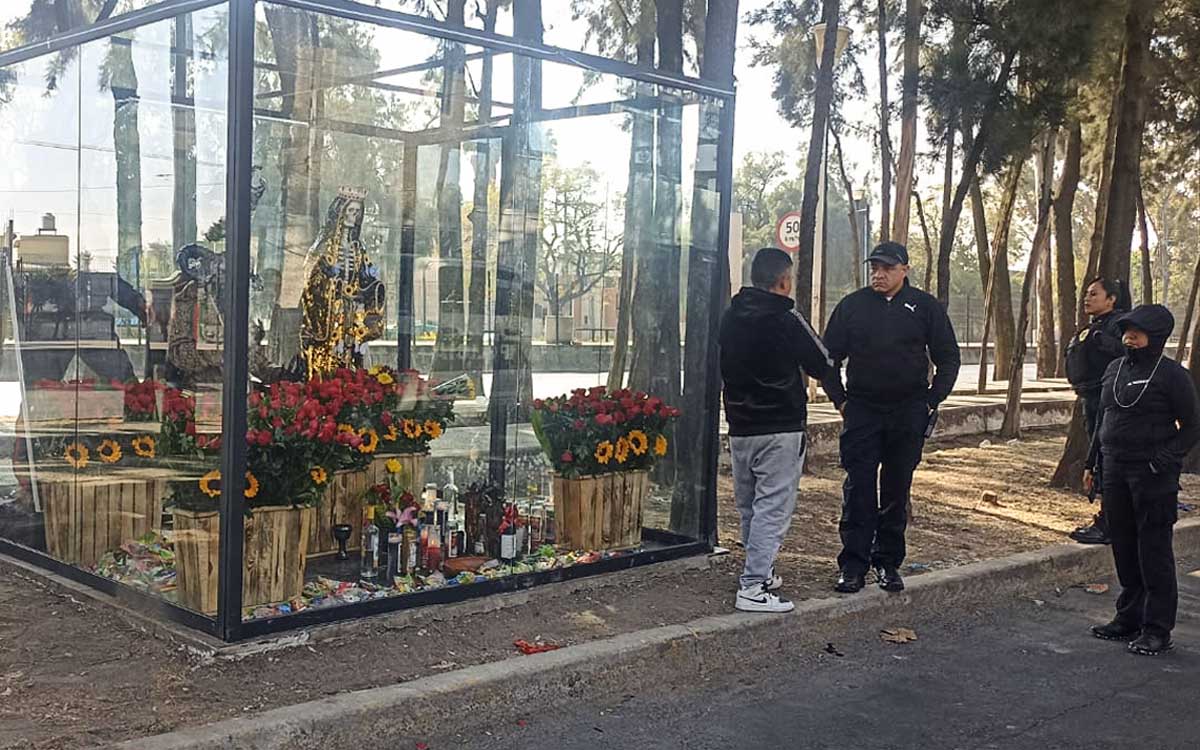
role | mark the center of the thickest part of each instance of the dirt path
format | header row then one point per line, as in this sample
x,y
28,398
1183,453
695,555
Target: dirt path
x,y
74,674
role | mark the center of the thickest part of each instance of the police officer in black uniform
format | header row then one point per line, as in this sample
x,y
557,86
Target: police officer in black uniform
x,y
1088,355
889,332
1149,421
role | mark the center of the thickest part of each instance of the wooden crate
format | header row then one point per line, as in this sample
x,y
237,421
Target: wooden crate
x,y
86,517
600,513
274,549
343,500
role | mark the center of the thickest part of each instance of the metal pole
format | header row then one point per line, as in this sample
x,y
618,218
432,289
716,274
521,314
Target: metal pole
x,y
408,242
237,317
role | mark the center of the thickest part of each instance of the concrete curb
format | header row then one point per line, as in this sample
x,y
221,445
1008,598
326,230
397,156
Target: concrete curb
x,y
676,654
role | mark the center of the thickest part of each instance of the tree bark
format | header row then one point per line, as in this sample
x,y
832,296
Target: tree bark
x,y
183,116
1101,212
850,212
1064,243
997,302
885,147
1143,231
929,256
947,183
1047,354
908,119
822,98
1127,146
970,164
1189,314
449,350
123,83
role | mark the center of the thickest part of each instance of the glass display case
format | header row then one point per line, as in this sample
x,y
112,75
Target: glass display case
x,y
441,299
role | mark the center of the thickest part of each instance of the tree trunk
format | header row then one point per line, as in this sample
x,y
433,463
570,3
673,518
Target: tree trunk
x,y
1064,243
708,267
1011,427
639,207
970,164
997,299
1190,313
822,98
885,146
947,197
1101,212
1069,472
1143,231
449,348
1192,463
183,116
1127,146
127,146
929,256
1047,354
480,217
908,119
850,212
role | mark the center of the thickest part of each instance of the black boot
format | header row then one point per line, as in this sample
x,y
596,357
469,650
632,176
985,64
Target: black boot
x,y
889,579
850,583
1096,533
1116,631
1151,644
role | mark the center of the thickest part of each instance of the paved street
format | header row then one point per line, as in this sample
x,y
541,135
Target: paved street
x,y
1023,675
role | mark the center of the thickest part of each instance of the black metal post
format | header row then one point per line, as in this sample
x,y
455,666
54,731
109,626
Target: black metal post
x,y
240,152
408,245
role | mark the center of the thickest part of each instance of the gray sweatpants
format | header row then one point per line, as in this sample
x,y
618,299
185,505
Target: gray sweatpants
x,y
766,477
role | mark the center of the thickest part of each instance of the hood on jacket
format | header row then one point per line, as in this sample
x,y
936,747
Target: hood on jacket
x,y
752,302
1155,321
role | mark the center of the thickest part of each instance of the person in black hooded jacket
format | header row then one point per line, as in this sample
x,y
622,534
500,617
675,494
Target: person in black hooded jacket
x,y
765,344
1088,354
1149,421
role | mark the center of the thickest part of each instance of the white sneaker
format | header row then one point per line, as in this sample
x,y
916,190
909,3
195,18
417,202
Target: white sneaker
x,y
775,582
760,599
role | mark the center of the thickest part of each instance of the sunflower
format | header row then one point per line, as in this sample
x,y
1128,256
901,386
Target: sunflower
x,y
638,442
370,441
392,433
412,430
385,378
109,451
319,475
394,466
144,446
660,446
251,485
622,450
346,428
604,452
433,428
77,455
210,483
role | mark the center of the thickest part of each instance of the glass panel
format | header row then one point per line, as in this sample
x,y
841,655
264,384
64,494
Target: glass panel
x,y
118,336
439,236
26,21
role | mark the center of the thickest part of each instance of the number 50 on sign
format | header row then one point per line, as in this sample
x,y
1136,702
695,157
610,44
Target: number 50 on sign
x,y
787,231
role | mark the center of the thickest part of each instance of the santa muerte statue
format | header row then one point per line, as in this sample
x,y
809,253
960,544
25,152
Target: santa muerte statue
x,y
342,304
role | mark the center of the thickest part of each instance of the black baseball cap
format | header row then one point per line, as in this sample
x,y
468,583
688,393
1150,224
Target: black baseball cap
x,y
891,253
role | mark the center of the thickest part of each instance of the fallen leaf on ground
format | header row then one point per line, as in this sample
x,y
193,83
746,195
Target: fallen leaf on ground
x,y
832,649
525,647
1096,588
897,635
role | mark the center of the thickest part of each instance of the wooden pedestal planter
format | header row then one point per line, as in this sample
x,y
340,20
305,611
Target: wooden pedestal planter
x,y
343,500
274,548
87,517
600,513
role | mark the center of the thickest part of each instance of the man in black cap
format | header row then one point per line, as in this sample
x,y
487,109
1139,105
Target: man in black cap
x,y
1149,421
889,331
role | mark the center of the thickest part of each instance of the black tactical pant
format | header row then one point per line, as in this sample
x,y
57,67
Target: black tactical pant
x,y
1141,510
880,448
1091,412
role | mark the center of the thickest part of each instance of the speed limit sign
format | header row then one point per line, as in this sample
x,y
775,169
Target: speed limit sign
x,y
787,231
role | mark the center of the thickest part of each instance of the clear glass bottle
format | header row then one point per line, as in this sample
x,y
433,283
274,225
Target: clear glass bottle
x,y
450,496
369,570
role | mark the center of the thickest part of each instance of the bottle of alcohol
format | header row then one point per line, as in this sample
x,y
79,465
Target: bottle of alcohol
x,y
369,569
450,496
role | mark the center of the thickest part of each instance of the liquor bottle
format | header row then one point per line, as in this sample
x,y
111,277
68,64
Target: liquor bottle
x,y
410,550
442,522
450,496
394,540
369,570
480,541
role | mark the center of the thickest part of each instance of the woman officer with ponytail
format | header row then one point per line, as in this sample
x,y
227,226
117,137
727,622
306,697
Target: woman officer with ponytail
x,y
1088,355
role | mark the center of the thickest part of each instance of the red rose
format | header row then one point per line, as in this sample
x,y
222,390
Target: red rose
x,y
604,419
567,457
190,429
386,419
579,424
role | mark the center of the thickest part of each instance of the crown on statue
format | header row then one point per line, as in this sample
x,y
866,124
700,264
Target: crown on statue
x,y
352,193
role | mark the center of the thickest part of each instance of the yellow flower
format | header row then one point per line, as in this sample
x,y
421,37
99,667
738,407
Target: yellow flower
x,y
319,475
622,450
144,446
392,433
604,452
385,378
393,466
375,370
660,446
345,428
109,451
77,455
638,442
208,480
251,485
370,441
433,428
412,430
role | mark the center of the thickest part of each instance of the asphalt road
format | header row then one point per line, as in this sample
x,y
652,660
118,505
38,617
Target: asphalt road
x,y
1024,674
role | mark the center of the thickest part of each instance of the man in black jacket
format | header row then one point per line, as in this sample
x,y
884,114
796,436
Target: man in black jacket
x,y
889,331
765,344
1149,421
